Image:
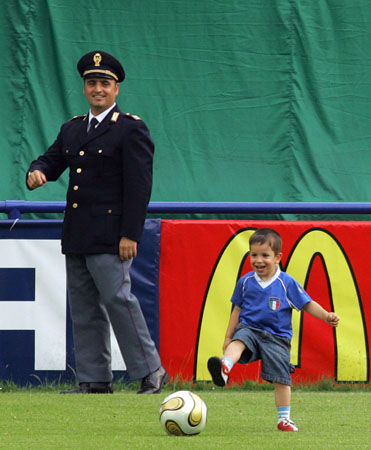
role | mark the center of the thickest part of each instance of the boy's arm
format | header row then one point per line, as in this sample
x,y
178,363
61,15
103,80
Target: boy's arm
x,y
233,322
316,310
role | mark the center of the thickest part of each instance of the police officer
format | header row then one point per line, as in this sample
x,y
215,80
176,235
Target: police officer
x,y
109,155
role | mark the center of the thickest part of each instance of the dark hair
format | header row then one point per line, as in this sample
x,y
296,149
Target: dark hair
x,y
267,235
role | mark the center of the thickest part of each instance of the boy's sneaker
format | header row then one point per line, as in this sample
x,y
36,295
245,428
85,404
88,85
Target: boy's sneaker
x,y
218,371
287,425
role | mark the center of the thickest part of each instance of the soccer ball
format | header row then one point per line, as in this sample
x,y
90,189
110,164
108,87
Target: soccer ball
x,y
183,413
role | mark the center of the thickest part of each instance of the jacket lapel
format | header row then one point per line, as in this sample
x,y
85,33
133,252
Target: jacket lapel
x,y
101,128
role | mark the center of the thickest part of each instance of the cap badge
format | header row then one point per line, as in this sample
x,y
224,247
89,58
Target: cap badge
x,y
97,59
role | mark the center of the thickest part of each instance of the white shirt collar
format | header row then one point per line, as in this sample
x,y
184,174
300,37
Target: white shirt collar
x,y
266,283
102,115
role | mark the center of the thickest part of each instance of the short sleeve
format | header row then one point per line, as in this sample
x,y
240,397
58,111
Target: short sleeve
x,y
297,295
237,294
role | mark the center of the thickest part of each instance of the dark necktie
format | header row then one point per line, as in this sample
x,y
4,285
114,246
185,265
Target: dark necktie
x,y
93,123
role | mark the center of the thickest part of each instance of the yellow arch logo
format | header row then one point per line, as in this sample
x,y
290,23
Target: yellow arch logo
x,y
350,336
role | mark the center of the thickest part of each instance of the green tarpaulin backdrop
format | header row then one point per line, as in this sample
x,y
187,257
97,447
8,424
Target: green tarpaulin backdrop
x,y
247,100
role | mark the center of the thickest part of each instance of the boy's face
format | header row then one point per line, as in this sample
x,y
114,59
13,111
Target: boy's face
x,y
263,260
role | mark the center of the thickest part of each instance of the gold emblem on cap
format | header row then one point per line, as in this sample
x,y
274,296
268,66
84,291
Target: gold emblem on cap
x,y
97,59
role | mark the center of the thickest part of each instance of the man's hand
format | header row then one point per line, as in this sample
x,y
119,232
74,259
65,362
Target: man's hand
x,y
128,249
36,179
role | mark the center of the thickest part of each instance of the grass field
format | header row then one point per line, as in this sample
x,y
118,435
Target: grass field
x,y
237,418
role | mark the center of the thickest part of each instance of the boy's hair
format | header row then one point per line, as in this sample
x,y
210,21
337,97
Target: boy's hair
x,y
267,235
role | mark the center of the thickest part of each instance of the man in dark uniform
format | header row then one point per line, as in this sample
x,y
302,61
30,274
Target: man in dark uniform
x,y
109,155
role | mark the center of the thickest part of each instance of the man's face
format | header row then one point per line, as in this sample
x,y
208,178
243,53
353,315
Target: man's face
x,y
101,93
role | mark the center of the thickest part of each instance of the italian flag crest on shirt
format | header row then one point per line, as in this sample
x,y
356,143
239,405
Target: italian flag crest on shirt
x,y
274,303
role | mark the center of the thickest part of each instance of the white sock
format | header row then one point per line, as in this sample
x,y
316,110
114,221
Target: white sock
x,y
283,413
228,362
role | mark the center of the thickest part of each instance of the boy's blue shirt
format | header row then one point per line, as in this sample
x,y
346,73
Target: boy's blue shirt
x,y
270,307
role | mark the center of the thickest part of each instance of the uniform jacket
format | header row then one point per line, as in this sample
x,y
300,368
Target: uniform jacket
x,y
110,180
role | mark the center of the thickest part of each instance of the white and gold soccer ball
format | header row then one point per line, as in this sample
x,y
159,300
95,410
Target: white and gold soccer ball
x,y
183,413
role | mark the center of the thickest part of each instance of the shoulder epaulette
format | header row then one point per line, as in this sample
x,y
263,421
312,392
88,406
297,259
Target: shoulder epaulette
x,y
133,116
78,117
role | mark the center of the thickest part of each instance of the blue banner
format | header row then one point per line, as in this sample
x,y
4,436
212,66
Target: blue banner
x,y
36,342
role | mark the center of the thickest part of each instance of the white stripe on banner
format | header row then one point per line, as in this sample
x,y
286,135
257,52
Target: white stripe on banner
x,y
47,314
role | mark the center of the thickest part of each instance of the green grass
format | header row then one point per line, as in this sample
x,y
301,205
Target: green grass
x,y
237,418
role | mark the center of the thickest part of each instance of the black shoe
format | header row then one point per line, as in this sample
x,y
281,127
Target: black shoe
x,y
154,382
91,388
218,370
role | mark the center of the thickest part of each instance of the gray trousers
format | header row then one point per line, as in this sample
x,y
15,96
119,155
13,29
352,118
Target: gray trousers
x,y
99,290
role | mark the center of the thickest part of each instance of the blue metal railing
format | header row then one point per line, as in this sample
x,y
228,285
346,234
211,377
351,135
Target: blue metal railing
x,y
15,208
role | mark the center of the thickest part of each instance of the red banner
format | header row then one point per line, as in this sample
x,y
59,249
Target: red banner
x,y
201,262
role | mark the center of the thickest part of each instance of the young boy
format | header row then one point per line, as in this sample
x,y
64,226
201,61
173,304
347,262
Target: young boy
x,y
260,324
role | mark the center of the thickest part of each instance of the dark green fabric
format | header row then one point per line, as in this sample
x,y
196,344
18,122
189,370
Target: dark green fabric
x,y
259,100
